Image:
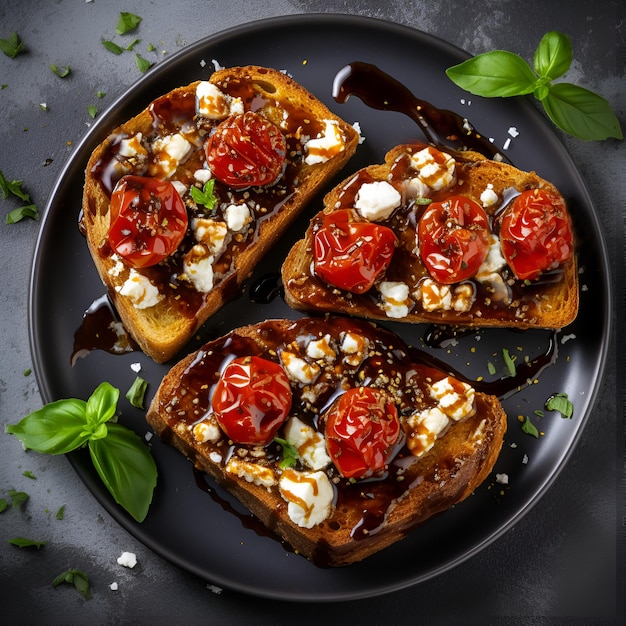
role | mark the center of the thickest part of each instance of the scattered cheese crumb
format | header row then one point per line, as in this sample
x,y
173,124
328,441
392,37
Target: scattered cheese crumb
x,y
214,588
503,479
113,586
525,459
136,367
513,131
127,559
507,143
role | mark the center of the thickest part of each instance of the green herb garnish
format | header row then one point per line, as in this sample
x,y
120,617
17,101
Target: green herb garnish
x,y
60,513
17,215
4,505
61,72
491,368
18,497
11,46
290,453
29,474
561,403
127,22
122,460
136,394
23,542
14,187
74,577
529,428
111,46
205,196
130,46
508,362
143,64
573,109
92,110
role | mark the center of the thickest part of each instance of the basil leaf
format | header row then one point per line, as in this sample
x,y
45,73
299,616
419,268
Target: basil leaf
x,y
23,542
102,404
529,428
92,110
18,498
4,505
561,403
14,187
61,72
126,467
11,46
17,215
127,22
143,64
57,428
137,392
581,112
206,196
494,74
111,46
553,56
74,577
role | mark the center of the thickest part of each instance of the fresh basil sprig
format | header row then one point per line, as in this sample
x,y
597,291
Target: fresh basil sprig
x,y
122,460
573,109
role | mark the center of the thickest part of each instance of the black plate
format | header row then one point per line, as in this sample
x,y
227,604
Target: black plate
x,y
188,526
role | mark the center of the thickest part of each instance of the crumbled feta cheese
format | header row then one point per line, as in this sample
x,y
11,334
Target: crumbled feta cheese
x,y
434,168
169,151
309,495
198,268
463,297
310,444
322,148
141,292
423,428
136,367
354,347
118,266
489,272
237,216
396,301
513,131
434,295
207,430
113,586
454,397
252,472
127,559
525,459
181,188
503,479
203,175
507,143
321,349
376,201
489,197
211,233
131,147
211,102
298,369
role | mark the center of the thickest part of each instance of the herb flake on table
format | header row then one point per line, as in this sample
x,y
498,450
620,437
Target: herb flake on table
x,y
12,45
562,404
127,22
61,72
574,109
75,577
23,542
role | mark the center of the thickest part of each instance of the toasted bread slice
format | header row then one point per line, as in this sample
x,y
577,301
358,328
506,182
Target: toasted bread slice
x,y
428,469
406,291
167,141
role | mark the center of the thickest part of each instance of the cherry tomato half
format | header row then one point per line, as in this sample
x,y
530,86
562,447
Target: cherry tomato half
x,y
246,150
252,399
362,427
352,254
453,238
536,234
148,220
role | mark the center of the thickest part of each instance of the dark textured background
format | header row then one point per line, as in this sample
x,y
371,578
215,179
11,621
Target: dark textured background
x,y
564,558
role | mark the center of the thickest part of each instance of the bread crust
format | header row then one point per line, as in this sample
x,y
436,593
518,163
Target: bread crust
x,y
550,302
366,516
162,330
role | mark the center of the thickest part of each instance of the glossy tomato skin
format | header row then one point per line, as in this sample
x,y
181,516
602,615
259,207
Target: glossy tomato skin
x,y
362,429
352,254
148,220
453,238
252,399
246,150
535,234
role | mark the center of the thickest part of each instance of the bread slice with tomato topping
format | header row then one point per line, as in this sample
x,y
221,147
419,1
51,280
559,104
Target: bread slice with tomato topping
x,y
335,434
447,238
181,201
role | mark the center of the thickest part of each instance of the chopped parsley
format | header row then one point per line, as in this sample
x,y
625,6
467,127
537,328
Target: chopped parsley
x,y
290,453
508,362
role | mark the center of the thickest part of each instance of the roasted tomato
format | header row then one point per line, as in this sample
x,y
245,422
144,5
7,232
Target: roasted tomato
x,y
246,150
535,234
252,399
148,220
453,238
352,254
362,428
